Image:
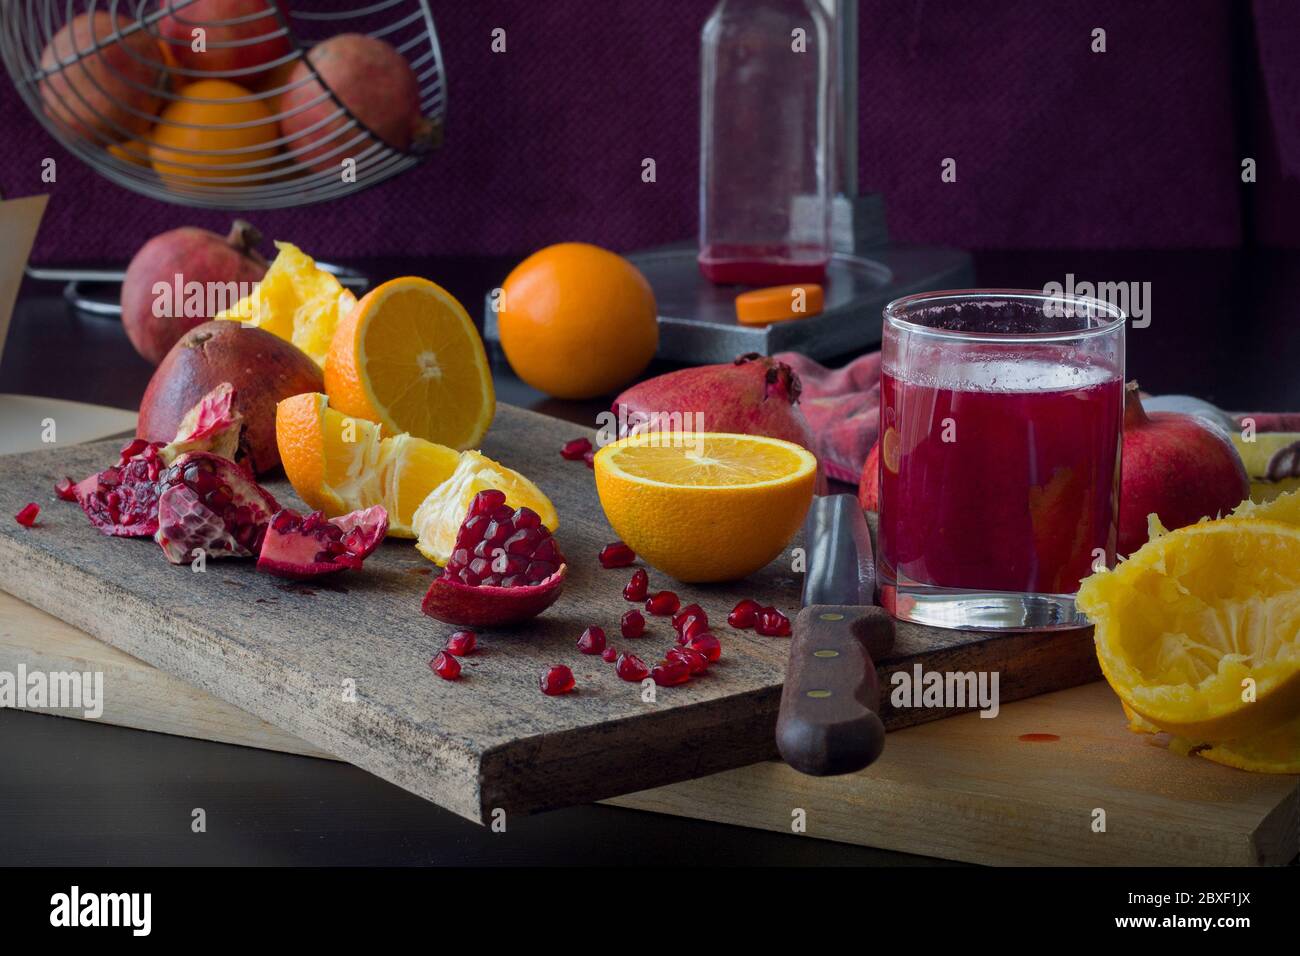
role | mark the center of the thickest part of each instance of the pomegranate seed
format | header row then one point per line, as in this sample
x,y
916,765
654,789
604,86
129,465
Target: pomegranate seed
x,y
27,517
462,643
590,458
631,668
65,488
616,555
671,673
691,625
744,614
662,604
574,450
633,624
609,654
696,661
592,640
487,501
686,612
772,623
556,681
445,666
637,587
706,644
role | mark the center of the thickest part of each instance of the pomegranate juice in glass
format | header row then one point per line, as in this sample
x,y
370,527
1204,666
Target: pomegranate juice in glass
x,y
1000,421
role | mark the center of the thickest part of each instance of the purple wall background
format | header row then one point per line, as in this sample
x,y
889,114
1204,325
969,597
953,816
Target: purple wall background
x,y
1056,147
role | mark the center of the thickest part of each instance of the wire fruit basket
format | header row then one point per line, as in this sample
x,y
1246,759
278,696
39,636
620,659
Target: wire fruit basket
x,y
232,104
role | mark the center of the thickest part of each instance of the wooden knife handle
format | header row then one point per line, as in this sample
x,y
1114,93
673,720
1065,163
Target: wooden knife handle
x,y
828,723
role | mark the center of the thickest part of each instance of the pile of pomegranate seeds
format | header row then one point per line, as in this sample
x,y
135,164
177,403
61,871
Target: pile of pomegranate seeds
x,y
445,666
745,614
27,516
575,449
499,546
461,643
66,489
636,588
592,640
616,555
663,604
772,623
631,668
557,680
633,624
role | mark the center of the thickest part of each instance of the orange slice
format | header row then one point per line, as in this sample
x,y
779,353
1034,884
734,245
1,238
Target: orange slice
x,y
705,506
409,357
779,303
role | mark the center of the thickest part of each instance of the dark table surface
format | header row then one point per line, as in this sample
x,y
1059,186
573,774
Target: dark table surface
x,y
1224,325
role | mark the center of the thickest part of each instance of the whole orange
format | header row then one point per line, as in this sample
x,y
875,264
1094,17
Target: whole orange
x,y
213,130
577,321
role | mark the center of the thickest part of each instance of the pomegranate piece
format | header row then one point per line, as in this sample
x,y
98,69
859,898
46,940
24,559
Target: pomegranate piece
x,y
631,668
305,547
636,589
505,567
209,503
66,489
708,645
557,680
575,449
693,659
671,673
633,623
27,515
461,643
772,623
123,500
445,666
662,604
616,555
745,614
592,640
609,655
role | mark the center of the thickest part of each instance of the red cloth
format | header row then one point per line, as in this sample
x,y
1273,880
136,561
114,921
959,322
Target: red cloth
x,y
842,407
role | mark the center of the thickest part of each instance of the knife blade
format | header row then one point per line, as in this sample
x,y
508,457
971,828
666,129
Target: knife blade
x,y
828,722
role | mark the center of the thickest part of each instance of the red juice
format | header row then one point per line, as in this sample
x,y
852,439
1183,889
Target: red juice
x,y
762,265
1007,481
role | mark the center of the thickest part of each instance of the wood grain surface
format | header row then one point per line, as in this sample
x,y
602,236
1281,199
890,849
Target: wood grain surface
x,y
291,655
966,789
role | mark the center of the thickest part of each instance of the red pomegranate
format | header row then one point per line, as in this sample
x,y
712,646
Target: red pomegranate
x,y
301,547
371,79
232,29
186,258
100,87
1178,467
754,395
262,368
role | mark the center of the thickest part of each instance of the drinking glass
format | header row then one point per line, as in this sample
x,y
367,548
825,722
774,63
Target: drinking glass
x,y
1000,424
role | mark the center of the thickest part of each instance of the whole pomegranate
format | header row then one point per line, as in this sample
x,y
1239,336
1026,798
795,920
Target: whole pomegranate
x,y
102,89
754,395
177,258
374,82
233,32
1179,467
262,368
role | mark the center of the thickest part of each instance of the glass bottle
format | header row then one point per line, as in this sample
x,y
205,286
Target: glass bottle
x,y
766,129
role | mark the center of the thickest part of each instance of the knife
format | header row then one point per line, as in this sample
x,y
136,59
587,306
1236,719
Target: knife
x,y
828,722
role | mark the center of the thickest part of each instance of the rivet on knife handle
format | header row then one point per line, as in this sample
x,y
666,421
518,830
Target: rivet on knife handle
x,y
828,723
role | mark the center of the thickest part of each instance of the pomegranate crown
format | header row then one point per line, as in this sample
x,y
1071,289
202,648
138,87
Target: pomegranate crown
x,y
779,378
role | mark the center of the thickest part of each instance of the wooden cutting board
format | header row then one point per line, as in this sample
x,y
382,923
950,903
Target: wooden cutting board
x,y
964,789
344,668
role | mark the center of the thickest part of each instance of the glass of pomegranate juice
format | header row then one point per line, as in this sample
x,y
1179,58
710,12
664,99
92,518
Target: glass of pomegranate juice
x,y
1000,418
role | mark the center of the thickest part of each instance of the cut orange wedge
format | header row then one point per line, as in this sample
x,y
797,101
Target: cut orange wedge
x,y
409,357
705,506
337,463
